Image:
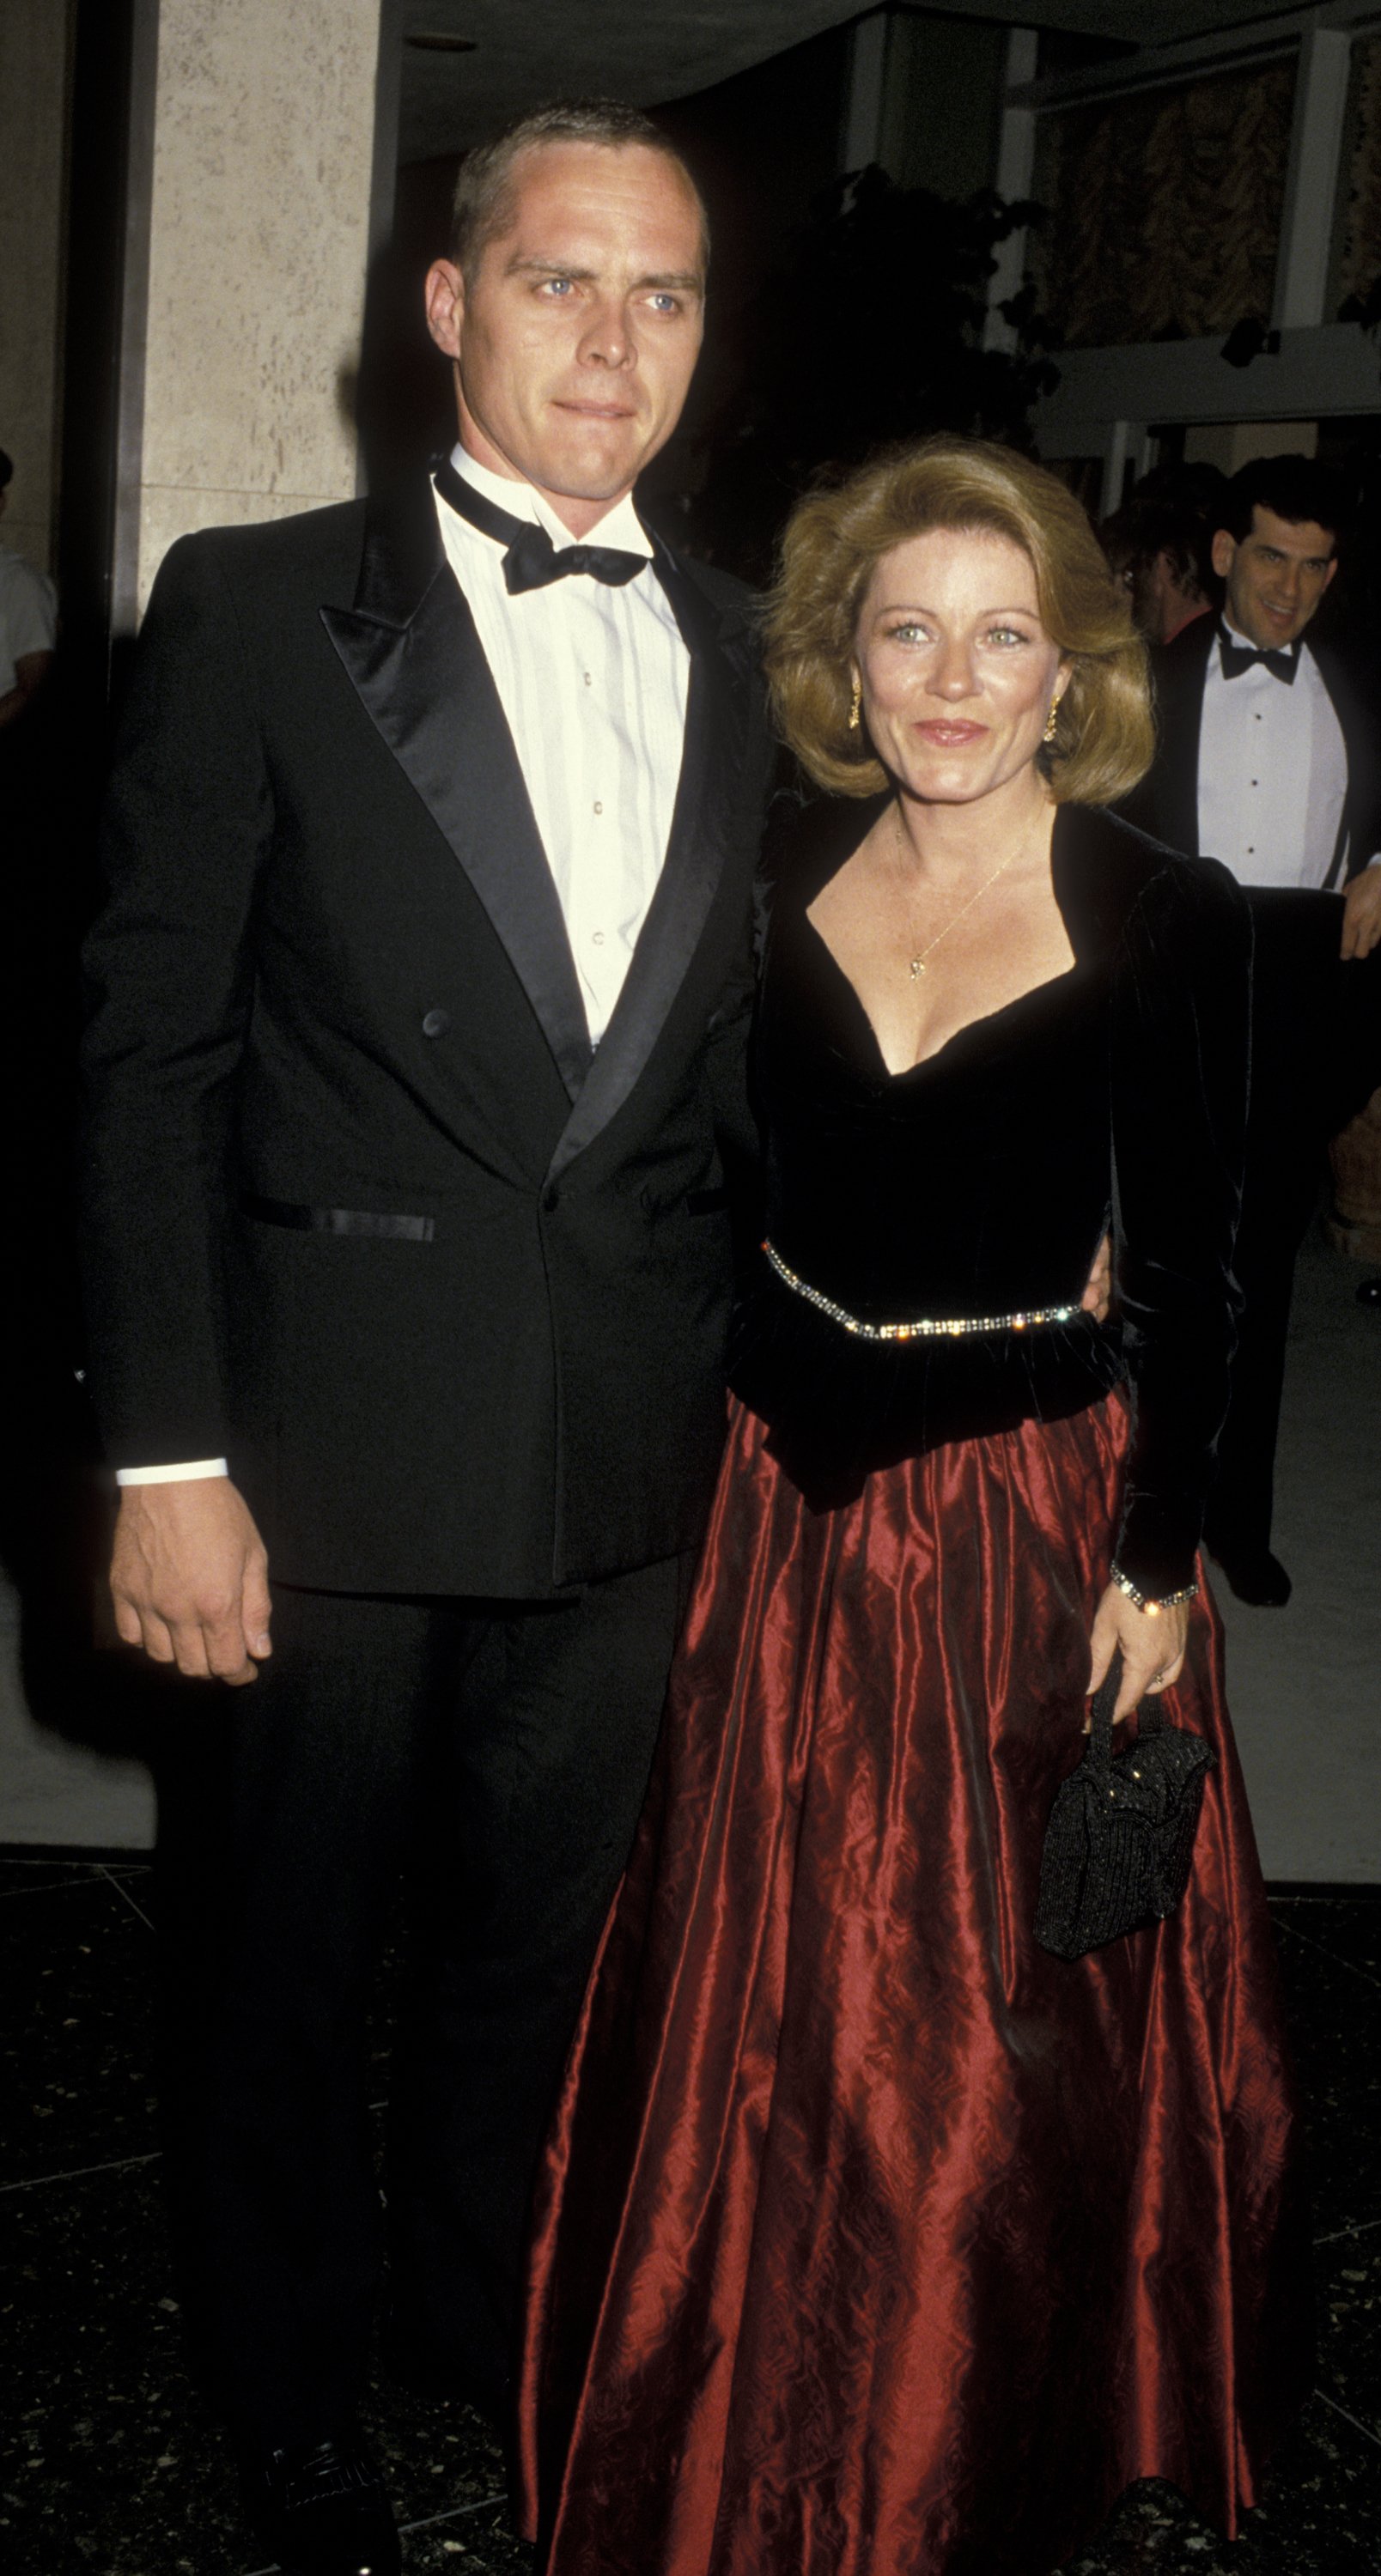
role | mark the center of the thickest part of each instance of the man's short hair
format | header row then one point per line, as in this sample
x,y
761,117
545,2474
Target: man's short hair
x,y
484,190
1143,530
1296,488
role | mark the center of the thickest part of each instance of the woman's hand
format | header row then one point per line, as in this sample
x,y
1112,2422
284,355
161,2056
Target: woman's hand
x,y
1152,1643
1097,1296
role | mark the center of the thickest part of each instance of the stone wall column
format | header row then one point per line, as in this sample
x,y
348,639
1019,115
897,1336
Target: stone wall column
x,y
35,66
259,237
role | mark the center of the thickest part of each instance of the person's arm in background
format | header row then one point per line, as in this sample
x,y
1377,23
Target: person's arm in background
x,y
188,821
1354,685
28,634
30,672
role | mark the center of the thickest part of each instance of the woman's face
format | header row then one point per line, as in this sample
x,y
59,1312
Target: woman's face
x,y
957,670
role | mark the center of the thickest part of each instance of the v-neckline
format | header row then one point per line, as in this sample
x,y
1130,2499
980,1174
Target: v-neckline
x,y
984,1019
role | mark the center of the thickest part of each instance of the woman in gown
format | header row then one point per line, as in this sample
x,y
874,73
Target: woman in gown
x,y
872,2240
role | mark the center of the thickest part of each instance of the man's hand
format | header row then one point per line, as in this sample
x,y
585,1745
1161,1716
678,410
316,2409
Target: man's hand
x,y
190,1578
1362,914
1097,1297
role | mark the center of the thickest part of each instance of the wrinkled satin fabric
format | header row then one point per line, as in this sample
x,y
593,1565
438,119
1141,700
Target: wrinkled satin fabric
x,y
871,2240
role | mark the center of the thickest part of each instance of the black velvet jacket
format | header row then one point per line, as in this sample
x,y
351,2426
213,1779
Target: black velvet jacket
x,y
980,1182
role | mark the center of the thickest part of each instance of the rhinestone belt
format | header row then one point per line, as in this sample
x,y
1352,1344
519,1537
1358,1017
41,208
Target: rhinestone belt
x,y
926,1328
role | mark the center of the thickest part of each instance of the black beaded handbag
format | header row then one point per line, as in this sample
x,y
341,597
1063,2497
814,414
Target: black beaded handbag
x,y
1120,1841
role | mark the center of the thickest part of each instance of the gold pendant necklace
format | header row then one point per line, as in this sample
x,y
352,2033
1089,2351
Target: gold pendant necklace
x,y
917,966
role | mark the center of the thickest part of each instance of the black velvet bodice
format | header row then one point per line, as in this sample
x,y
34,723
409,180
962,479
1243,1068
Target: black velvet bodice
x,y
980,1182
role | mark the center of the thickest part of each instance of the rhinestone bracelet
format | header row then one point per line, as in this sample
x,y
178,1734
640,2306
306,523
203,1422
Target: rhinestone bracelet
x,y
1153,1609
925,1327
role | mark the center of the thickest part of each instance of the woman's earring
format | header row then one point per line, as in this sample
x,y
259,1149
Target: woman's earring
x,y
1052,721
855,704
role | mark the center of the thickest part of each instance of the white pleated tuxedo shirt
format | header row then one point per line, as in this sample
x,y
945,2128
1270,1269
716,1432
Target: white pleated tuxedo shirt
x,y
593,680
1272,773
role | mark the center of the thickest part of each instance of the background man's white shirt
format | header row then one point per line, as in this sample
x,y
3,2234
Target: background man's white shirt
x,y
593,680
1272,774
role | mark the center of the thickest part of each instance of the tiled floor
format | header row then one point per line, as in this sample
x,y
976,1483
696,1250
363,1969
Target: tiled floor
x,y
113,2469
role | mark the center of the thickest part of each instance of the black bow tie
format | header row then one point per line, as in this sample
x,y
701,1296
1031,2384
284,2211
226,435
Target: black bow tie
x,y
1238,658
531,560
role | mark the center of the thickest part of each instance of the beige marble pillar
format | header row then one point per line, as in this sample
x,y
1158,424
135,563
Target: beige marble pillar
x,y
35,55
263,153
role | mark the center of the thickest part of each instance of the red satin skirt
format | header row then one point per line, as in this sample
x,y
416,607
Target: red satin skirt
x,y
871,2240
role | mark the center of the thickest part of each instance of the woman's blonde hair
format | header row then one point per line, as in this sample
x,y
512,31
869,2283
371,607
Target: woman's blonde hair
x,y
1104,736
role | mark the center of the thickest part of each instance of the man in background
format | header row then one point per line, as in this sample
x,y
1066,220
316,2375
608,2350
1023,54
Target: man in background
x,y
28,621
1269,760
1159,544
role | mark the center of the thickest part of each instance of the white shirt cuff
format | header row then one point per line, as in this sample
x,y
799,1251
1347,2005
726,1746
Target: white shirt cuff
x,y
182,1474
1374,861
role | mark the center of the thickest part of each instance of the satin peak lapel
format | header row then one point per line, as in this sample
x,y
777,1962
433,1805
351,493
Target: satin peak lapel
x,y
697,848
416,662
1181,676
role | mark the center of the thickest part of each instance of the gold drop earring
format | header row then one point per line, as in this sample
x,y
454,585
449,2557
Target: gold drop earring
x,y
855,704
1052,721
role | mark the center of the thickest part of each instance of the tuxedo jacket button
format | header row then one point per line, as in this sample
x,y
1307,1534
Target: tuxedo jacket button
x,y
435,1024
551,1199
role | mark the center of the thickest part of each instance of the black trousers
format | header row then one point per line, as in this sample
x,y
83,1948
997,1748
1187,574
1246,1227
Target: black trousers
x,y
496,1756
1316,1057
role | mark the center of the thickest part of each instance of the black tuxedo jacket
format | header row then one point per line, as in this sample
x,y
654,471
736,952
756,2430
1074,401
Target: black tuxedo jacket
x,y
1316,1055
1166,804
364,1214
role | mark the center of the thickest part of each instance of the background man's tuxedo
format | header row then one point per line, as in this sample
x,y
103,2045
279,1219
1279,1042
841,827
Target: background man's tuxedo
x,y
1316,1045
1167,801
367,1217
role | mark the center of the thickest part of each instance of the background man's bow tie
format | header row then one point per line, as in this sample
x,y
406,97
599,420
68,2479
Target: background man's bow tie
x,y
1238,658
531,560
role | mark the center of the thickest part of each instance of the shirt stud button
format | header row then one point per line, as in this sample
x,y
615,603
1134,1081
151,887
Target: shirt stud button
x,y
598,807
435,1024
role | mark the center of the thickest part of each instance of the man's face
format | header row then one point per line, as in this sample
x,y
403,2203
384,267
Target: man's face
x,y
1275,577
577,335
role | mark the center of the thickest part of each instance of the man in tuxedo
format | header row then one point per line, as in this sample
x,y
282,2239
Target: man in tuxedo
x,y
1269,759
415,1074
1157,544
